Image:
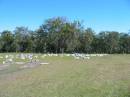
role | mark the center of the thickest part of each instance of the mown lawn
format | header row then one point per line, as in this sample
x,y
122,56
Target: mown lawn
x,y
107,76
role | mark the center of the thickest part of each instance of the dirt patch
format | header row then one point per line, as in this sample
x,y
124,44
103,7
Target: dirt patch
x,y
33,64
3,67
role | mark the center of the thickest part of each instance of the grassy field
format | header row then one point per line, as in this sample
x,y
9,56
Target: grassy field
x,y
107,76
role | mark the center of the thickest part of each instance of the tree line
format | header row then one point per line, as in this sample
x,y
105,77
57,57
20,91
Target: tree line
x,y
59,35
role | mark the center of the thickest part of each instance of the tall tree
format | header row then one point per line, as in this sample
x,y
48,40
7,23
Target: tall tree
x,y
113,42
22,39
7,41
86,39
124,43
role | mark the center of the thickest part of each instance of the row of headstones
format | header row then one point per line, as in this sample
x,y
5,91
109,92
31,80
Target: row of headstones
x,y
76,55
87,56
10,58
17,56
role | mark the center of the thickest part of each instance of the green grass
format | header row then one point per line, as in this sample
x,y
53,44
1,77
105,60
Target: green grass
x,y
107,76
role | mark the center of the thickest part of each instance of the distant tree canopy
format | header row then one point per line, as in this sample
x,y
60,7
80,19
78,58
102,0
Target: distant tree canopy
x,y
58,35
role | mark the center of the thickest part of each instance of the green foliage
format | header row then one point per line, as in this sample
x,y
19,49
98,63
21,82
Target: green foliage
x,y
7,40
59,35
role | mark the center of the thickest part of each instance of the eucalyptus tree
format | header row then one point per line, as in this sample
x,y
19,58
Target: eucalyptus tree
x,y
113,42
86,39
7,40
124,43
40,39
49,34
22,39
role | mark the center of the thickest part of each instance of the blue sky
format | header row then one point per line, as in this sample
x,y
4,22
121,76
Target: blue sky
x,y
112,15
